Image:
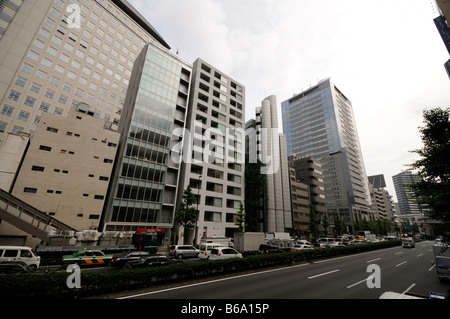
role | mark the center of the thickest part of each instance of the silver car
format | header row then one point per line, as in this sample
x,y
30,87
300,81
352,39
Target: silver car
x,y
183,251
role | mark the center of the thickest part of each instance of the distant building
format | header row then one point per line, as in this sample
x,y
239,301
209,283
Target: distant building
x,y
301,203
405,196
308,170
382,204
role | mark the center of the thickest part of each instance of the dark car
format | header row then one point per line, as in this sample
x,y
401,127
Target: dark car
x,y
269,249
120,261
15,267
152,261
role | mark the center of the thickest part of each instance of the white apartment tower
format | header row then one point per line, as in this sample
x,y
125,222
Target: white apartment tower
x,y
49,63
214,154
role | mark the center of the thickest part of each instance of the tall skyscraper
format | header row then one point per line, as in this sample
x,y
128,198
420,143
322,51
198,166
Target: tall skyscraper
x,y
143,188
319,122
56,54
405,196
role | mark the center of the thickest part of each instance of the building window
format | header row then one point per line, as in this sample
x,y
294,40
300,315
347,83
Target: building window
x,y
14,95
23,116
37,168
45,148
7,110
51,129
21,81
30,101
30,190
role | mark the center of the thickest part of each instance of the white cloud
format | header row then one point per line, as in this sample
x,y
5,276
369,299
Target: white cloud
x,y
385,56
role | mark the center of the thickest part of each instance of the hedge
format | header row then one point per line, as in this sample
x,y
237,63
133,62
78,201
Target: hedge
x,y
53,285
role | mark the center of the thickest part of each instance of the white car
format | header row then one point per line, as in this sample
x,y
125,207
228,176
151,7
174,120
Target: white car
x,y
336,244
224,253
301,247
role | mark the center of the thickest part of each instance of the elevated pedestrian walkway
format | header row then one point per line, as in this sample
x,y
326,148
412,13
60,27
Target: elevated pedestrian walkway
x,y
29,219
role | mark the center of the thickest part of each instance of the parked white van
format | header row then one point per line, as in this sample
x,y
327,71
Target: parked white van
x,y
205,249
19,253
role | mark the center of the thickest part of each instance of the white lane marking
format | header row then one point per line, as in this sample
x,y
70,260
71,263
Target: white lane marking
x,y
409,288
323,274
213,281
357,283
369,261
401,264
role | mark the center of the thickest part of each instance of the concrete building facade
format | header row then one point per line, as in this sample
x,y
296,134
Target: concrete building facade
x,y
214,161
266,144
56,54
308,170
67,167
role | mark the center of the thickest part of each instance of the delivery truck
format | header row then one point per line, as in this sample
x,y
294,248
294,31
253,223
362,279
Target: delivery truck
x,y
249,243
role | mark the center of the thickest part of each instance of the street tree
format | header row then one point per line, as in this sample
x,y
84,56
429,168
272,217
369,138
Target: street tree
x,y
433,190
240,218
186,214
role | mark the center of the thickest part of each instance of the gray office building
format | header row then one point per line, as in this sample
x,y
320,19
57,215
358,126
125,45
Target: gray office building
x,y
319,122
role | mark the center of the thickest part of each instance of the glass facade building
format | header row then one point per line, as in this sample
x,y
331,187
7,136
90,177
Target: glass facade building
x,y
144,184
319,122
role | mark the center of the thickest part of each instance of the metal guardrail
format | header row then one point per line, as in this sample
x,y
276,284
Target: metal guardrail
x,y
28,218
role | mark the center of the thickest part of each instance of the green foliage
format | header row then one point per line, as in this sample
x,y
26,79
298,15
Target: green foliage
x,y
433,191
241,219
187,214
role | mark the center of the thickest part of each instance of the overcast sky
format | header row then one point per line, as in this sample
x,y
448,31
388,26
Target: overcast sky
x,y
386,56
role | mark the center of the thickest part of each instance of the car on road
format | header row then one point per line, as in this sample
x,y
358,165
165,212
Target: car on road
x,y
301,242
87,257
205,249
121,260
151,261
408,243
301,247
15,267
20,253
326,240
224,253
269,249
336,244
183,251
319,246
